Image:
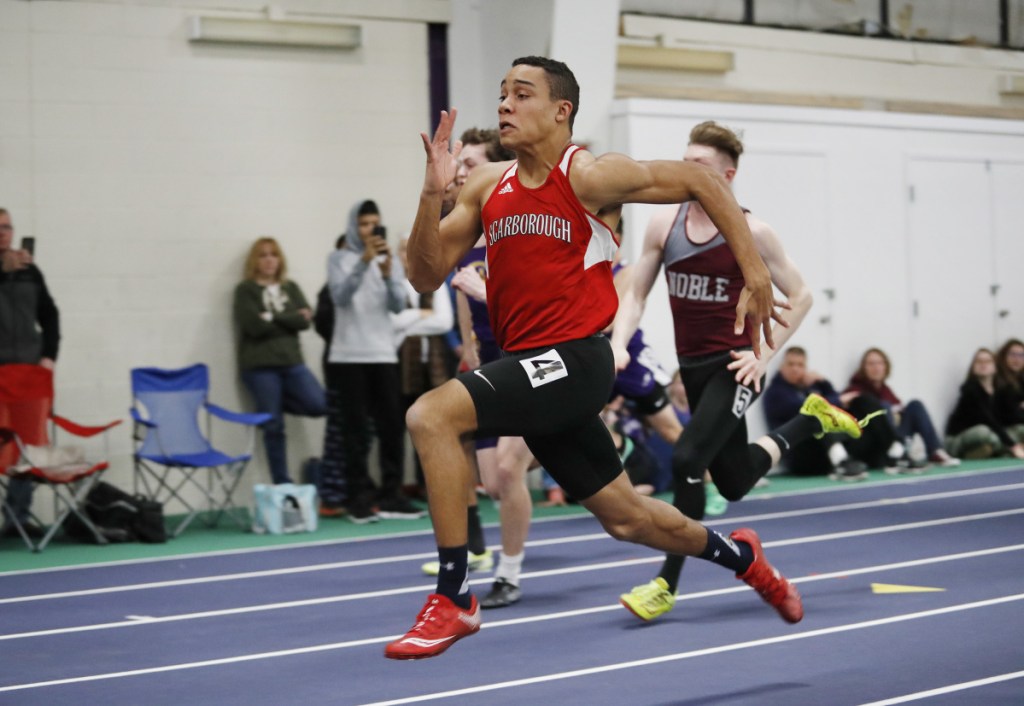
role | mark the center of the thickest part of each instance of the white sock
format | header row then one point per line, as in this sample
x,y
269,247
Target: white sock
x,y
509,566
837,454
897,450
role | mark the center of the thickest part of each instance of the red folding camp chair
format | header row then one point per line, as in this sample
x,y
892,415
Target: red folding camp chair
x,y
28,450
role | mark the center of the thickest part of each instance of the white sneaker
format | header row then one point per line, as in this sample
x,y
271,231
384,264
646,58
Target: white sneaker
x,y
943,459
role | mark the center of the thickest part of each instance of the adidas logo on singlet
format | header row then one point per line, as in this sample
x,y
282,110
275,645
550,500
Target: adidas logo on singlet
x,y
507,189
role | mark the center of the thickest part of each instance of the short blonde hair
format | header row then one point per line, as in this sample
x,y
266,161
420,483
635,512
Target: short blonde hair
x,y
253,259
712,134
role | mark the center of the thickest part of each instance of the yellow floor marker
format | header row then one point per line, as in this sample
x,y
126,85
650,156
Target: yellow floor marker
x,y
895,588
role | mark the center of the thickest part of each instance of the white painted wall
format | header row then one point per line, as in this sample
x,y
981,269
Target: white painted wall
x,y
146,166
836,185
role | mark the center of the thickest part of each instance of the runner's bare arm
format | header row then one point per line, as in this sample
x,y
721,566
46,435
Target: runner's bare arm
x,y
786,277
435,246
788,280
615,178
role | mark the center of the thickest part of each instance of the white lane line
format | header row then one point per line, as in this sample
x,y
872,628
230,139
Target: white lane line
x,y
948,689
844,573
544,520
900,481
734,521
557,676
531,680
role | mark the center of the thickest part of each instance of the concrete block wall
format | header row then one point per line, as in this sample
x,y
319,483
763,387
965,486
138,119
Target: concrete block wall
x,y
146,166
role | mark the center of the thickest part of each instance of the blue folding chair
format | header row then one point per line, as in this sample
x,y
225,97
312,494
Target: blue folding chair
x,y
173,455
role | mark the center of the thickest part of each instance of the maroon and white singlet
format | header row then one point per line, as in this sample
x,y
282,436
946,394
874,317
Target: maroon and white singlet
x,y
549,275
704,285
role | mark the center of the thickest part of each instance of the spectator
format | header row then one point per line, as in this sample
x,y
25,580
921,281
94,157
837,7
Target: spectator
x,y
973,430
424,358
29,333
271,310
1009,397
365,284
906,420
330,480
782,400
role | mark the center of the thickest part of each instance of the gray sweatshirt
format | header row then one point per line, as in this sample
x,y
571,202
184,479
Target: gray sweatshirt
x,y
362,298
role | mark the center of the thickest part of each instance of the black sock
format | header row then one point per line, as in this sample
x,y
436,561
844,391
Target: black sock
x,y
453,575
476,532
737,556
797,429
671,568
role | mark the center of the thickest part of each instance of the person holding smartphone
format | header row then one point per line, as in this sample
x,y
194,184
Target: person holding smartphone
x,y
29,333
366,283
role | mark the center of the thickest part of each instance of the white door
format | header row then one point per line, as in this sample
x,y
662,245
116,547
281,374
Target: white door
x,y
1008,229
789,192
950,269
796,206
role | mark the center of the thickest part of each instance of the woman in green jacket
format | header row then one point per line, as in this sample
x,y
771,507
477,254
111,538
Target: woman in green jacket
x,y
270,311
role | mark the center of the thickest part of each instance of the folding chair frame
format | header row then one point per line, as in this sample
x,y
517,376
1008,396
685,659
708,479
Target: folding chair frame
x,y
221,480
68,494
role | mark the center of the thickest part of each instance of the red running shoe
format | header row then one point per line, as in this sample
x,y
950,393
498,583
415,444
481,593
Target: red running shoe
x,y
437,627
767,581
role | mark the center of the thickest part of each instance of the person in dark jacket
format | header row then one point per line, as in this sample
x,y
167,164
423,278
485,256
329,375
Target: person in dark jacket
x,y
331,478
1009,397
29,333
782,401
973,431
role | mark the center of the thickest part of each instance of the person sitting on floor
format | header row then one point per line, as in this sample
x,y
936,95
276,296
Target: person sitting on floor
x,y
907,420
973,431
784,396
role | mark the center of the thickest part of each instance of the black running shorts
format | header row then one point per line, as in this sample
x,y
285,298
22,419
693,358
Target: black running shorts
x,y
553,397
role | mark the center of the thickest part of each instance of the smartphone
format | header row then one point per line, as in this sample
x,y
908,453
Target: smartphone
x,y
29,243
382,232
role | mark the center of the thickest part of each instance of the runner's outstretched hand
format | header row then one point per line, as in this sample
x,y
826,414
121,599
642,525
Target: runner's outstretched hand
x,y
442,155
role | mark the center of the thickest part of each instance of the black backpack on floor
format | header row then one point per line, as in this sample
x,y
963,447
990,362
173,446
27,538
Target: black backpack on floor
x,y
120,517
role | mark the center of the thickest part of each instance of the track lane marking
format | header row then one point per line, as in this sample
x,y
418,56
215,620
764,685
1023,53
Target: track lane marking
x,y
529,680
843,573
355,563
902,482
947,689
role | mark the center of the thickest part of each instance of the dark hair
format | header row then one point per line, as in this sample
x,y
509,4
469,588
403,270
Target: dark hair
x,y
974,359
861,371
368,208
794,350
491,141
1004,375
562,84
711,134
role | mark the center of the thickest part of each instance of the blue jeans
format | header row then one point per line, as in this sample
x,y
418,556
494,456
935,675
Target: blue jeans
x,y
914,419
277,390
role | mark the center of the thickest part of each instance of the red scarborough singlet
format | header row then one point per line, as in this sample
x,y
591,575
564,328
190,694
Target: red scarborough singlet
x,y
704,284
549,275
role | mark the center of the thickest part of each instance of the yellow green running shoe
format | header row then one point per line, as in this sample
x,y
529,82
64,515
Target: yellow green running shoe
x,y
834,419
477,562
650,600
